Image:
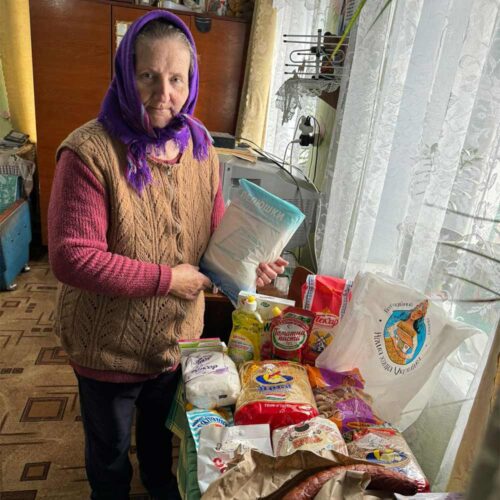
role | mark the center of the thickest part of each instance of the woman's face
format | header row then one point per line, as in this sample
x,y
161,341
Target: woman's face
x,y
162,77
414,315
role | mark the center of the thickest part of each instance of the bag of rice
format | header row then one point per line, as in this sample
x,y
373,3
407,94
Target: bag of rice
x,y
210,379
317,434
275,393
255,228
396,336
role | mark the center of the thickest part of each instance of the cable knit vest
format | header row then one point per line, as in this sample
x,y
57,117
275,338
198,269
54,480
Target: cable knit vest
x,y
168,224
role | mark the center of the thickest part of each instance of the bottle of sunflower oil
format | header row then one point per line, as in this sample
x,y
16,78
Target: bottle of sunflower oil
x,y
244,341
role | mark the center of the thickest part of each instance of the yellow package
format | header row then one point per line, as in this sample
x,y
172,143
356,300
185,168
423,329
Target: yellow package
x,y
274,392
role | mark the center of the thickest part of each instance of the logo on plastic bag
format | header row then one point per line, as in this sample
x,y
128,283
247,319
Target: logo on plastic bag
x,y
405,333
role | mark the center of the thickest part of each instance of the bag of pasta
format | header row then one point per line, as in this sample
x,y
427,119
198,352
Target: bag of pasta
x,y
274,392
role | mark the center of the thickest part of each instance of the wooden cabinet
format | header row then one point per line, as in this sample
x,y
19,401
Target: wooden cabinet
x,y
220,55
73,44
71,72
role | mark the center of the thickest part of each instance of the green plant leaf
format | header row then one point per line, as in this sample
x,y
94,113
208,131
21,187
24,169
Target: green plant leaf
x,y
347,30
351,24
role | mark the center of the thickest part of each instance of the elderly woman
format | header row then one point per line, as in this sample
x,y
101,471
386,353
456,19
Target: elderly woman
x,y
135,198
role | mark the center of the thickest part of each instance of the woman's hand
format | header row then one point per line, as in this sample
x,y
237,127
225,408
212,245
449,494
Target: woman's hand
x,y
267,272
187,282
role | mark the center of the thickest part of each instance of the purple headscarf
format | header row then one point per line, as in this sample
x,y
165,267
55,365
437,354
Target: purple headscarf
x,y
124,116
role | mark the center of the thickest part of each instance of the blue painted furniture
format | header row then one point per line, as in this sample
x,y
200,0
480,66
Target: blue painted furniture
x,y
15,238
15,222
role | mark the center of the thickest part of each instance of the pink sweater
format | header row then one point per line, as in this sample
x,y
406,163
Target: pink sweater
x,y
80,257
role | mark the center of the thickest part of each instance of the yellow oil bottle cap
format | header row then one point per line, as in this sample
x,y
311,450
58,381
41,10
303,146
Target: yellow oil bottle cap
x,y
276,311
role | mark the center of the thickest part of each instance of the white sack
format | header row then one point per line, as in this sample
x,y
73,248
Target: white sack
x,y
211,379
255,228
396,354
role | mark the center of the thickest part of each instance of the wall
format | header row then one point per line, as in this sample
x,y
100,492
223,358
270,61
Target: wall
x,y
4,105
15,52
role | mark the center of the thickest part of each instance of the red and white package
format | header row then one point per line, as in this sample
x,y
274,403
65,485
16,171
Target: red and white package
x,y
277,393
320,337
326,294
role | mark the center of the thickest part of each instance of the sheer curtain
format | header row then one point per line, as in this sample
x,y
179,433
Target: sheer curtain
x,y
413,185
294,17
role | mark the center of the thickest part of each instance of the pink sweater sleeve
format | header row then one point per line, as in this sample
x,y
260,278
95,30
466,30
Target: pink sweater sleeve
x,y
218,209
78,249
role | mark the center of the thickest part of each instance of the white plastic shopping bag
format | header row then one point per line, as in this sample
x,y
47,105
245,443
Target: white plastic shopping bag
x,y
397,338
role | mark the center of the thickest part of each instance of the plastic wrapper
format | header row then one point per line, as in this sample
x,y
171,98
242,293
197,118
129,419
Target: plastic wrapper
x,y
396,336
326,294
211,379
340,398
386,446
198,418
218,446
317,435
274,392
320,337
255,228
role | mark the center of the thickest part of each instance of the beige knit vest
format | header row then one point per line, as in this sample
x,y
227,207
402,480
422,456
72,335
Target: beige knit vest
x,y
168,224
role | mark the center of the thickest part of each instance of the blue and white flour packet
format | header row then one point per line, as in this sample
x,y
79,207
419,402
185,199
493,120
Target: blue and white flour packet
x,y
198,418
255,228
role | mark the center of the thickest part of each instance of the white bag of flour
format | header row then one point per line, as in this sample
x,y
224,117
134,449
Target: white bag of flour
x,y
396,337
211,379
255,228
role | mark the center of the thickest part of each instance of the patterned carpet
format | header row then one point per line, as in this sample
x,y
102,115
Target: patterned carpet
x,y
41,436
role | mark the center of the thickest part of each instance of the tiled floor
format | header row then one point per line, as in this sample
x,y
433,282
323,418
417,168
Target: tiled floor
x,y
41,437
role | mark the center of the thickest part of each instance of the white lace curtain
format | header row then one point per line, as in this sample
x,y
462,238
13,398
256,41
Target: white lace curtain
x,y
413,184
293,17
